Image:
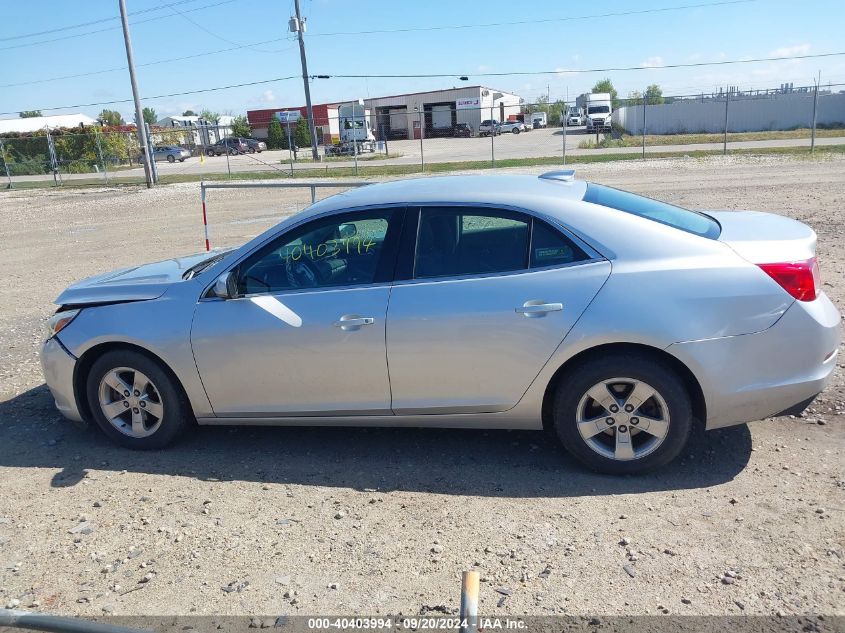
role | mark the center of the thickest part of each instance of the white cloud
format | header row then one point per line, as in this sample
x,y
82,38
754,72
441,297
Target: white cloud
x,y
655,61
483,68
790,51
268,96
576,58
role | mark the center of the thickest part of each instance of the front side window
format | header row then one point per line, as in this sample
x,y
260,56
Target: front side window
x,y
340,250
683,219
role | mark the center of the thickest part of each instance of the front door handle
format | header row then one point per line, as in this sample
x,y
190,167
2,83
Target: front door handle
x,y
533,309
351,322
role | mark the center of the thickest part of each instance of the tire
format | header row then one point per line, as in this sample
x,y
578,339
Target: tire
x,y
164,417
516,130
181,160
209,152
602,451
170,159
251,150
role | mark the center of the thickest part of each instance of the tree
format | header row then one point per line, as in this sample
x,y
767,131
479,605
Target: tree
x,y
635,97
275,135
189,113
241,127
111,117
30,114
301,133
208,115
149,116
605,85
654,95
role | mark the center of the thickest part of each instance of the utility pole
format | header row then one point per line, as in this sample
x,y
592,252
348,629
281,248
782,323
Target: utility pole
x,y
298,25
139,115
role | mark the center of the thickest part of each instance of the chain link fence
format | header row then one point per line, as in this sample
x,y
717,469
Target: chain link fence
x,y
437,139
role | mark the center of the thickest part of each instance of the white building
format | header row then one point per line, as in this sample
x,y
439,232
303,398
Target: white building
x,y
33,124
438,111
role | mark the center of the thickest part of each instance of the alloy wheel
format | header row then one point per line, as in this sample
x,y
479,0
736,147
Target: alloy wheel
x,y
622,418
131,402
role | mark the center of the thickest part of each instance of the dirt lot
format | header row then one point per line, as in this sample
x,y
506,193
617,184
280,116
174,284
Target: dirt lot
x,y
313,521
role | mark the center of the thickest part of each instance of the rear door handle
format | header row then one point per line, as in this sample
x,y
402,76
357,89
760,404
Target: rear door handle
x,y
538,308
350,322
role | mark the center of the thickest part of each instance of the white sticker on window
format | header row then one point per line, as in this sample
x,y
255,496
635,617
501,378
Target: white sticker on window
x,y
278,309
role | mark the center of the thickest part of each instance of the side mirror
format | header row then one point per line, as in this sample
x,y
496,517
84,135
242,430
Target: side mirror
x,y
347,230
226,286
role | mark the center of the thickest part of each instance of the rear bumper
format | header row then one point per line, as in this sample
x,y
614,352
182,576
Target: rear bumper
x,y
755,376
58,365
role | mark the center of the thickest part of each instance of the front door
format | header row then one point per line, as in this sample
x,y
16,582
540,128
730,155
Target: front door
x,y
305,336
492,295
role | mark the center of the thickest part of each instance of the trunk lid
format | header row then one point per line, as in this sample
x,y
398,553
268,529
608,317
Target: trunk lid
x,y
764,238
137,283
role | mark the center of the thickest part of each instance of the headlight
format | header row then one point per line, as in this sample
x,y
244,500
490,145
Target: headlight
x,y
60,321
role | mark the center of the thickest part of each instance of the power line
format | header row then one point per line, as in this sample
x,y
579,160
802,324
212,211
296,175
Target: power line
x,y
568,71
540,21
160,61
209,31
440,75
165,96
70,27
111,28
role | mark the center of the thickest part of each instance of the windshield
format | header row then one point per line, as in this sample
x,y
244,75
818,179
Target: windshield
x,y
602,109
684,219
205,264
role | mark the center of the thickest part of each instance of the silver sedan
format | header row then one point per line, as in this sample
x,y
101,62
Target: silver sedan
x,y
517,302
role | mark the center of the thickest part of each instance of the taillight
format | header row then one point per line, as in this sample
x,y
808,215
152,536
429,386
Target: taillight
x,y
800,279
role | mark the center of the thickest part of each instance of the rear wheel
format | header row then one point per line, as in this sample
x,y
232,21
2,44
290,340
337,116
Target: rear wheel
x,y
516,130
622,414
209,152
135,401
171,158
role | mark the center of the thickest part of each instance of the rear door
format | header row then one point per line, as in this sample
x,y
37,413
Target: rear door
x,y
482,299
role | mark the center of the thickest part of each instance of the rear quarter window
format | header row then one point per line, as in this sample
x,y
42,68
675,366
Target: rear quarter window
x,y
677,217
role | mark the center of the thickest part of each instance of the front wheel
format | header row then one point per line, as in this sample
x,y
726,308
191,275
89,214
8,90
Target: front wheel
x,y
622,414
135,401
171,159
209,152
516,130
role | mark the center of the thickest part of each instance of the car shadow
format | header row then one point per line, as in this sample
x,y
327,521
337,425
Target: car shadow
x,y
442,461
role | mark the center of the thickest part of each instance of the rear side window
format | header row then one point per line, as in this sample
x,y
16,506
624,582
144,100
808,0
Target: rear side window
x,y
472,241
684,219
551,248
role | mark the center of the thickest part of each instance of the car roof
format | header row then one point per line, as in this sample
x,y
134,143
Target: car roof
x,y
520,191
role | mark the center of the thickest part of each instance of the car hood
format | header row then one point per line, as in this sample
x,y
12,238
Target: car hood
x,y
137,283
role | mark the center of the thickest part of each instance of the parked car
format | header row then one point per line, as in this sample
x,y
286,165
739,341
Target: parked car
x,y
170,153
521,302
231,145
462,130
489,126
575,118
254,145
513,127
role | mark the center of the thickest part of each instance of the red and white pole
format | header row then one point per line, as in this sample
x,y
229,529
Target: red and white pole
x,y
204,217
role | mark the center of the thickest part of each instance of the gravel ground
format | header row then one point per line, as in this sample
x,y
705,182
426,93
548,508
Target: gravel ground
x,y
305,521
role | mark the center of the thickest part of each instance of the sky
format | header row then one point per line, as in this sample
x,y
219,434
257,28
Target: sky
x,y
38,50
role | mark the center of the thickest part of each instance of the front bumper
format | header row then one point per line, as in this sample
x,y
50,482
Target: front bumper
x,y
755,376
58,365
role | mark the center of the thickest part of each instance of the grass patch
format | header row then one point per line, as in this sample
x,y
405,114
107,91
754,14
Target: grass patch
x,y
629,140
436,168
